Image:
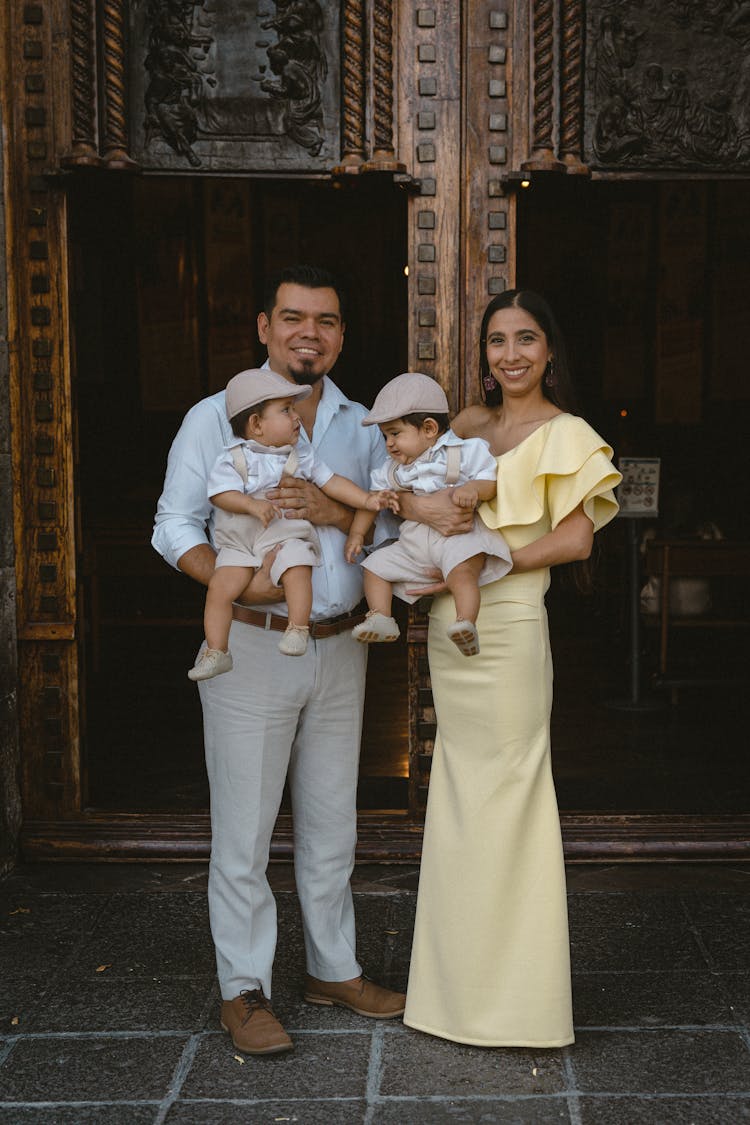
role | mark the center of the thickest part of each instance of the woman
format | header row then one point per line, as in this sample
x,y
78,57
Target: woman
x,y
490,961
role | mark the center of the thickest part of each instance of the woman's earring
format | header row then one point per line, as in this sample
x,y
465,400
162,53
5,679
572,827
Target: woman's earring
x,y
550,378
490,383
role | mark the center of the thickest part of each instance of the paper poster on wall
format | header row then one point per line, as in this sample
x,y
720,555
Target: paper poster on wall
x,y
638,492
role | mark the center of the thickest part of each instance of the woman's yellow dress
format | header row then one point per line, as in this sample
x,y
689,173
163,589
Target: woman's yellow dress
x,y
490,961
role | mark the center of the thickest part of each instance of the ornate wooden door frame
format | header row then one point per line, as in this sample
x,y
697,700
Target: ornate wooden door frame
x,y
468,133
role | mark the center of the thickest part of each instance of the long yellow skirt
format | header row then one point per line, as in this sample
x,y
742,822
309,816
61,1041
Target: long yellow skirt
x,y
490,961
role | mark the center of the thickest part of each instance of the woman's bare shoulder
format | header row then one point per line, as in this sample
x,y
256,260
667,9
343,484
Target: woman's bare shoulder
x,y
471,420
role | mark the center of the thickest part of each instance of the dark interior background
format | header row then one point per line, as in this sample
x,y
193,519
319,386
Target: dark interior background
x,y
649,281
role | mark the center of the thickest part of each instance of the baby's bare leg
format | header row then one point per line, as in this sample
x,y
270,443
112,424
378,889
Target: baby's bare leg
x,y
463,583
378,592
227,583
297,585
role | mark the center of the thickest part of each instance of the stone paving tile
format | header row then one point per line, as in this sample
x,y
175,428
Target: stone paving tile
x,y
668,1062
737,987
69,1069
150,935
331,1066
123,1005
39,932
19,1000
417,1064
649,999
129,1114
350,1111
714,1110
631,932
723,923
520,1111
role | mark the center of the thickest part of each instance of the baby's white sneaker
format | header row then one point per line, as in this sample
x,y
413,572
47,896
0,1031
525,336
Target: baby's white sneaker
x,y
211,662
376,627
465,637
294,641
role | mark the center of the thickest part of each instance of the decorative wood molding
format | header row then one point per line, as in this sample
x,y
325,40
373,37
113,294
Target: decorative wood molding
x,y
42,440
84,150
354,78
488,247
384,157
114,86
571,86
543,157
592,838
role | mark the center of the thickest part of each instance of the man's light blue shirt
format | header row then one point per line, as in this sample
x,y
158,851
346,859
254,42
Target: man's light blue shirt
x,y
184,516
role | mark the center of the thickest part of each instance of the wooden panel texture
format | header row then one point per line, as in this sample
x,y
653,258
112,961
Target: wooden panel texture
x,y
42,437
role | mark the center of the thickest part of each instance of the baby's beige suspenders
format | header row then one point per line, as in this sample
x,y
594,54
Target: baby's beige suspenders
x,y
452,469
238,460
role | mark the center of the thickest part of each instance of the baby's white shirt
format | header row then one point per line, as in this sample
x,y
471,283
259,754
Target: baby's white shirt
x,y
265,466
427,473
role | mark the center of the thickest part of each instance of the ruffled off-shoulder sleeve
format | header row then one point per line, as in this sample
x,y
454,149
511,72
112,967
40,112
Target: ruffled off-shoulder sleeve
x,y
561,465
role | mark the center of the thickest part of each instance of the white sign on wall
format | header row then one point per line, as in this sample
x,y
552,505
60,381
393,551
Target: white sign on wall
x,y
638,493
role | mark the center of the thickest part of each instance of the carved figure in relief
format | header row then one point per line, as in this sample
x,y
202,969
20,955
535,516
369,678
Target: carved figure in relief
x,y
299,92
171,98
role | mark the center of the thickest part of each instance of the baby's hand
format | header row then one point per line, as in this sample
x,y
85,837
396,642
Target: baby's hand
x,y
263,510
388,498
353,547
466,496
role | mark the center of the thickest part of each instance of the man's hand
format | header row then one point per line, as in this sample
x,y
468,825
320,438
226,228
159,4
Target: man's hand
x,y
260,590
303,500
438,511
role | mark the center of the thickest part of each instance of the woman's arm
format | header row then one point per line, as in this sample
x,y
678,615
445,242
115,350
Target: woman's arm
x,y
571,541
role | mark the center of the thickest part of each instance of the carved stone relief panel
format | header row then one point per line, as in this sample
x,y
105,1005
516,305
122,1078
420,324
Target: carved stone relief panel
x,y
232,85
666,85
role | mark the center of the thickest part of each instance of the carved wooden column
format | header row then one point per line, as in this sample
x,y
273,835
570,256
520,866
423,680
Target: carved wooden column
x,y
542,157
571,87
353,92
428,129
41,416
114,86
84,150
384,157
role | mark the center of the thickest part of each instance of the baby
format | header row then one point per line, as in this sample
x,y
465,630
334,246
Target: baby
x,y
426,456
260,408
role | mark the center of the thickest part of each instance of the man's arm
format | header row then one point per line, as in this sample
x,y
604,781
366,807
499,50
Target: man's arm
x,y
303,500
438,511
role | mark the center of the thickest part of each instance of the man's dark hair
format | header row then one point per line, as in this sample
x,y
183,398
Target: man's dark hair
x,y
312,277
418,419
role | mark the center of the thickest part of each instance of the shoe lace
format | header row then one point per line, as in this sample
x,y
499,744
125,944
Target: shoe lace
x,y
253,999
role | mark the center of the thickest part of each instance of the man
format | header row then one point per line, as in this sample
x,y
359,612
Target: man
x,y
271,717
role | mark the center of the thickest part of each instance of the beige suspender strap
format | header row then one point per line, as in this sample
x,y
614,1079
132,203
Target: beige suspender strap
x,y
452,463
239,462
392,481
291,464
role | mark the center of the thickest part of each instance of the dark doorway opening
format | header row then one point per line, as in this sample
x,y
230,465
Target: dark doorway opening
x,y
168,278
649,280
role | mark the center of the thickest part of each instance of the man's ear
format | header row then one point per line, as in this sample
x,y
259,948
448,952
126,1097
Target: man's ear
x,y
263,323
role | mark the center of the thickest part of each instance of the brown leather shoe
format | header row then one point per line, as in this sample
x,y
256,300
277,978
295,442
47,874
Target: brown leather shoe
x,y
360,995
253,1026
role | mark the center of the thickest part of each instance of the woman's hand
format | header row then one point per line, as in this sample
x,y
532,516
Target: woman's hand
x,y
438,511
303,500
438,586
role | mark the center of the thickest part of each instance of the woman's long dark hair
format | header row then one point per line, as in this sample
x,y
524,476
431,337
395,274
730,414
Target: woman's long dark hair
x,y
561,392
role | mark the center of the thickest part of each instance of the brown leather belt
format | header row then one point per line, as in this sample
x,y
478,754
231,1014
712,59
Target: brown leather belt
x,y
319,630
